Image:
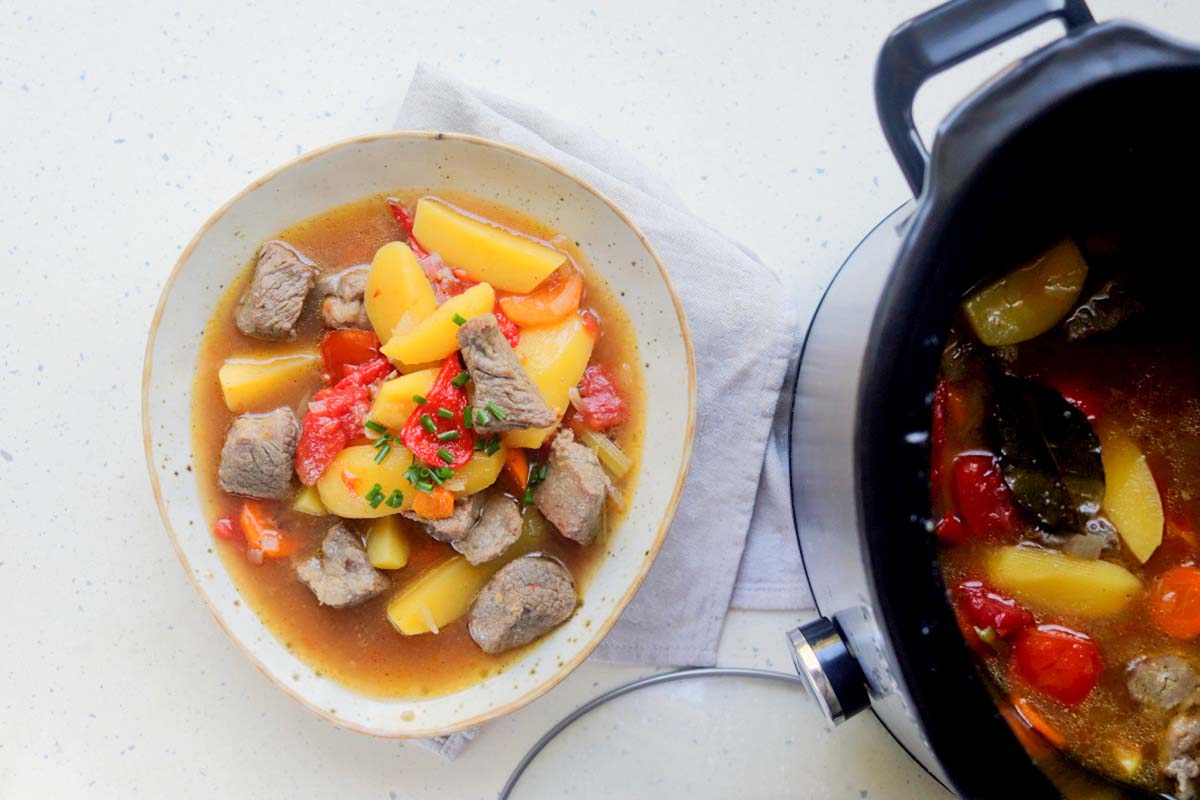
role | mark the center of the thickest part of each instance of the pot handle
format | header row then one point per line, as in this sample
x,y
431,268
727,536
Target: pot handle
x,y
938,40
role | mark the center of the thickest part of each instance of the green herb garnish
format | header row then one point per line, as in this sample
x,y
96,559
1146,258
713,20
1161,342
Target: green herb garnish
x,y
460,380
459,319
375,426
418,399
444,455
496,411
448,436
427,424
383,452
445,413
395,499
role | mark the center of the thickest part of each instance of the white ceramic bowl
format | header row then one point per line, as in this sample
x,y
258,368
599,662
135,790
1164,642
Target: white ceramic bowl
x,y
342,172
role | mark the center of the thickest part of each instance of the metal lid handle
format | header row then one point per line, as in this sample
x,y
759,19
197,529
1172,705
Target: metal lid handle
x,y
829,668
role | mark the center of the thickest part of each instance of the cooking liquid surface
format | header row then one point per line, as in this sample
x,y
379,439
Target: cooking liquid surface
x,y
1148,373
357,646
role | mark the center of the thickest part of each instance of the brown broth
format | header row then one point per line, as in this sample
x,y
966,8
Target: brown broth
x,y
358,647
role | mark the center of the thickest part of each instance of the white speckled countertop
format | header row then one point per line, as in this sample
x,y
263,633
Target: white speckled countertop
x,y
123,130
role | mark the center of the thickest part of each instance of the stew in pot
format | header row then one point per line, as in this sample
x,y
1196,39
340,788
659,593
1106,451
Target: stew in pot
x,y
1065,483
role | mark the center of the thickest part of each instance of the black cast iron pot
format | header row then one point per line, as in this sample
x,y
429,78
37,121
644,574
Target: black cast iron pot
x,y
1098,127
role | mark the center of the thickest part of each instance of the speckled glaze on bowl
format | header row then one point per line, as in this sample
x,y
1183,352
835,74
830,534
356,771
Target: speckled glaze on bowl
x,y
346,171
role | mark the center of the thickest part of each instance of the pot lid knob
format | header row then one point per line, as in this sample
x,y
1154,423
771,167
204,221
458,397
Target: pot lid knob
x,y
830,670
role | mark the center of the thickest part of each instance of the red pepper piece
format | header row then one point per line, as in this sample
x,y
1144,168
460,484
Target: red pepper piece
x,y
603,406
1058,662
404,218
984,501
507,327
424,444
343,350
986,608
335,417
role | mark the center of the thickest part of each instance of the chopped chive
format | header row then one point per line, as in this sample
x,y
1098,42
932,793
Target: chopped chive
x,y
482,417
395,499
448,436
424,486
418,399
434,477
444,455
492,448
459,319
529,496
460,380
382,440
468,419
383,453
375,426
539,472
445,473
375,496
427,423
445,413
479,445
497,412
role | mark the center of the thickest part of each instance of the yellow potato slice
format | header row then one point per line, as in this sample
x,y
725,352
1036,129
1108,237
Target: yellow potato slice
x,y
478,473
484,251
436,336
397,289
348,480
1131,498
394,403
1059,584
257,384
1031,299
309,502
440,596
387,546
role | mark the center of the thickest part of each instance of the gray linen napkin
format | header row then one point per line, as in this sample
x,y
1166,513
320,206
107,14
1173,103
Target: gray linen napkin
x,y
739,479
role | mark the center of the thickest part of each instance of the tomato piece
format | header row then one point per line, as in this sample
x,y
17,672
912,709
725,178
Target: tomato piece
x,y
423,442
984,500
343,350
950,529
557,297
986,608
1175,603
603,406
224,529
1058,662
507,327
335,418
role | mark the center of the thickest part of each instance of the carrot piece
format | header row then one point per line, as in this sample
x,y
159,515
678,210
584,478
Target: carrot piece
x,y
1035,720
1175,603
261,533
438,504
517,466
557,298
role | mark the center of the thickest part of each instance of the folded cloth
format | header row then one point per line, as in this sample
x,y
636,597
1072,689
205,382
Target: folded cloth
x,y
746,336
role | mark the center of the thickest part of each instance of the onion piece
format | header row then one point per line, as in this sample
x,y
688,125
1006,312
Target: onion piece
x,y
430,623
612,457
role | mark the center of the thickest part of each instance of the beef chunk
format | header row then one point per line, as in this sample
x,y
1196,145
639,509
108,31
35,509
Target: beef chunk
x,y
522,601
500,379
458,524
1178,754
1162,681
498,527
341,576
259,452
272,304
572,495
342,306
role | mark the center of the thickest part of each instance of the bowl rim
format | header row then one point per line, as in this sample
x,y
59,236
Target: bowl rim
x,y
601,630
